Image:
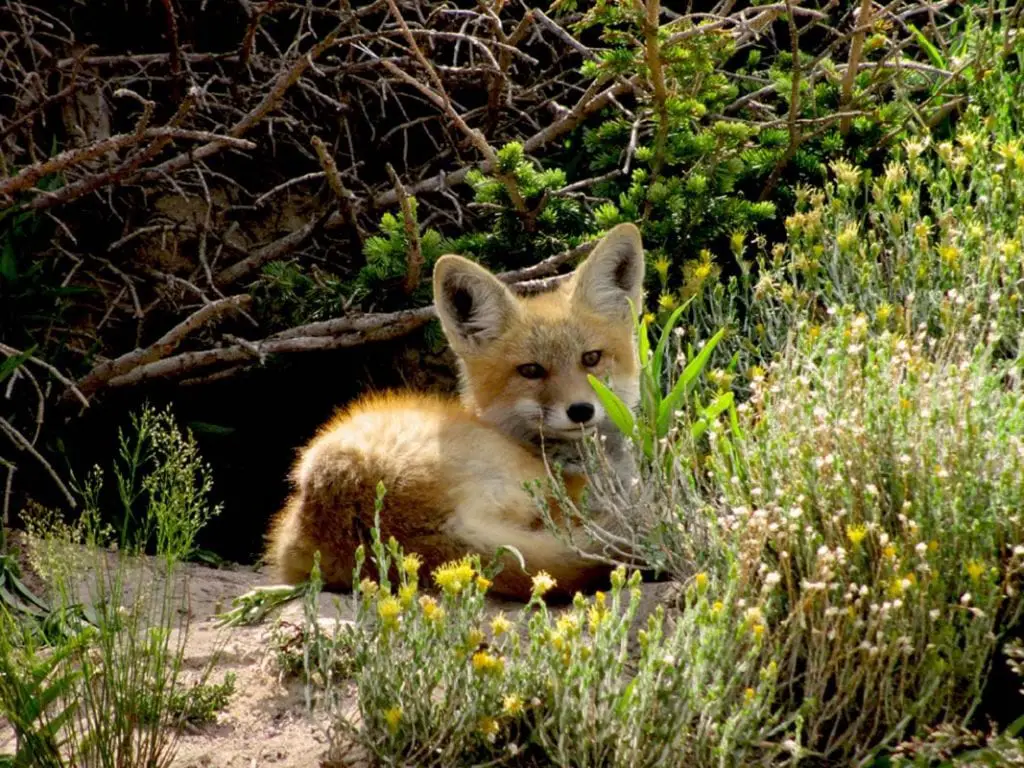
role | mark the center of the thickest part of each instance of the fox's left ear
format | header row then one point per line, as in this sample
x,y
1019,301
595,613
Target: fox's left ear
x,y
613,273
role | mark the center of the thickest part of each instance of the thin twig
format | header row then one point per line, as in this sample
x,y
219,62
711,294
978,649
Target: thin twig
x,y
414,251
22,443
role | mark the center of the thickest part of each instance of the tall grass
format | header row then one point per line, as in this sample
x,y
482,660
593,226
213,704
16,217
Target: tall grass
x,y
108,688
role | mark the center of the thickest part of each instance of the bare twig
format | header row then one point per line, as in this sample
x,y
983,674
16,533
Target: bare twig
x,y
275,250
414,251
863,23
163,346
22,443
72,157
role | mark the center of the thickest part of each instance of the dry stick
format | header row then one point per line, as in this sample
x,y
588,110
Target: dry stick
x,y
863,22
335,334
794,109
10,351
172,33
22,443
69,158
504,61
439,96
163,346
414,251
8,492
275,250
343,195
652,54
284,80
192,361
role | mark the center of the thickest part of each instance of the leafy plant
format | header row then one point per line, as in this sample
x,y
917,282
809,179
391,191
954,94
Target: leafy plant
x,y
659,403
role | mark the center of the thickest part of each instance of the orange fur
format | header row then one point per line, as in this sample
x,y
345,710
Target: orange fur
x,y
455,471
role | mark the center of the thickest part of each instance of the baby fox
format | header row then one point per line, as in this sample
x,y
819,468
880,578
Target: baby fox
x,y
454,472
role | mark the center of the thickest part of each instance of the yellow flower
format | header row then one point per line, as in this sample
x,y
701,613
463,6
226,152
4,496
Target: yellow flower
x,y
389,610
406,594
454,576
411,564
736,241
975,570
717,607
667,301
846,174
661,266
512,705
758,630
474,638
890,551
485,663
431,610
393,717
483,584
488,727
933,546
856,534
543,583
748,695
847,238
701,580
368,587
500,625
949,254
702,271
568,625
618,577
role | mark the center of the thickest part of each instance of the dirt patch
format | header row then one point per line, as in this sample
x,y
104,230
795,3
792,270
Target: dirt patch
x,y
266,722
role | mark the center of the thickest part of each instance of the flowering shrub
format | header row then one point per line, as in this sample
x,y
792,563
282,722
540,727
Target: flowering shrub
x,y
876,496
847,526
443,681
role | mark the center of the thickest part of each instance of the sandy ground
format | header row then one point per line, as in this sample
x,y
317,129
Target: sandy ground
x,y
266,722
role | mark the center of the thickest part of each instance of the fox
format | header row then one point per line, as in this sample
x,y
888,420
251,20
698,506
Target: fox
x,y
455,469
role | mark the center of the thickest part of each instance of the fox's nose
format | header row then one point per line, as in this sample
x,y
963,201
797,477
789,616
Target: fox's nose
x,y
580,413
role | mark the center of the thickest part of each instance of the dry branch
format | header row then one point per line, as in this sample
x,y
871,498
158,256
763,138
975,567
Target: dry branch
x,y
327,334
163,346
72,157
267,253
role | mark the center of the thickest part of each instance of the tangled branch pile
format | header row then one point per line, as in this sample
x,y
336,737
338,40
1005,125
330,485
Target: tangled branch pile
x,y
191,187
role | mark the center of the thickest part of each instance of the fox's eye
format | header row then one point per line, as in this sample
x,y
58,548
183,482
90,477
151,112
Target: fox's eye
x,y
531,371
592,358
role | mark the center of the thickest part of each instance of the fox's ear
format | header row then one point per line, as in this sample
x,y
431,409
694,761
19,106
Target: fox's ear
x,y
613,273
475,307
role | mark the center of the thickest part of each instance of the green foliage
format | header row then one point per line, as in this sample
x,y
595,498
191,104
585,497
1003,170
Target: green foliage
x,y
540,685
525,216
662,399
163,486
387,256
255,604
196,705
934,237
292,295
34,690
99,680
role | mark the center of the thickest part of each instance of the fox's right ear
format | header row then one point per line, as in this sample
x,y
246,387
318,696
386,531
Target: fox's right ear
x,y
475,307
